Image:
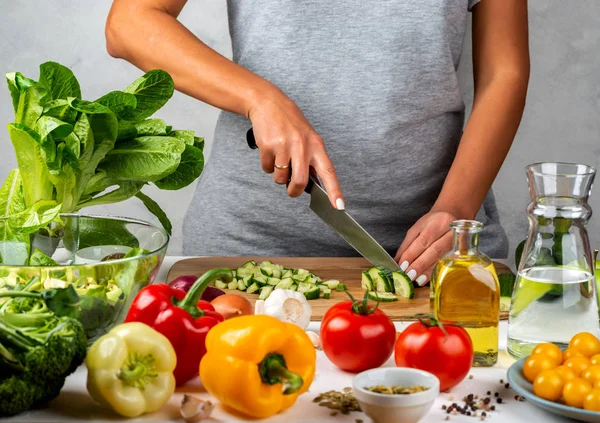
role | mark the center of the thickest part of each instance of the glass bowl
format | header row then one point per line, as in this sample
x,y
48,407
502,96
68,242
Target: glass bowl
x,y
106,259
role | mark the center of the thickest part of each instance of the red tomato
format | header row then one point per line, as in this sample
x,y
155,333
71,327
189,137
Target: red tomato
x,y
356,338
424,345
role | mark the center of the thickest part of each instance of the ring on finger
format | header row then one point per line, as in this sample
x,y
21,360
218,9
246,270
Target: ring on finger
x,y
282,166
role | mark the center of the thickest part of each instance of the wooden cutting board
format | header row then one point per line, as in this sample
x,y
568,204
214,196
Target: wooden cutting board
x,y
346,270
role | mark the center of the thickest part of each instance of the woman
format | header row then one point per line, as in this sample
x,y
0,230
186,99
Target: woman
x,y
363,91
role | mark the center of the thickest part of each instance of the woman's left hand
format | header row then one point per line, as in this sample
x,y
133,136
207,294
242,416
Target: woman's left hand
x,y
425,243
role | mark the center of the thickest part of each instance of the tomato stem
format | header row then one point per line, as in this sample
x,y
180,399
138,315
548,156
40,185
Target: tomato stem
x,y
362,307
430,321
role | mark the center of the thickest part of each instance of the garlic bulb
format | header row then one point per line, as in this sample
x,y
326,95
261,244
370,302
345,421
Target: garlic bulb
x,y
286,305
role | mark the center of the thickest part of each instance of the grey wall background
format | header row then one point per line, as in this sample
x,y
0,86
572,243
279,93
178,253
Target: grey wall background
x,y
561,122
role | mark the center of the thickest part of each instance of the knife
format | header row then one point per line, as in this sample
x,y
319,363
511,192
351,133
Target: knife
x,y
341,222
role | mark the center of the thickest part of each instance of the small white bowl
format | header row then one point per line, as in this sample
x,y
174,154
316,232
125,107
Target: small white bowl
x,y
384,408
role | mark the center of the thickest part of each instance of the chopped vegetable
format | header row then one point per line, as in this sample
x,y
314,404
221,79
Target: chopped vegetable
x,y
194,409
38,350
231,305
287,306
507,283
257,365
183,318
130,369
381,281
384,297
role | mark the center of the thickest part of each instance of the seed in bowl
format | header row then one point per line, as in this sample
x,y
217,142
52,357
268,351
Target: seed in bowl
x,y
396,390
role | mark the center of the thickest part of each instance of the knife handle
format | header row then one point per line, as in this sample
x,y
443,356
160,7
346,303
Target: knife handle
x,y
252,144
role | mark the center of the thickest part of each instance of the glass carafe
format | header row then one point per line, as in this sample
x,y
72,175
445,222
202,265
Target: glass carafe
x,y
555,292
465,291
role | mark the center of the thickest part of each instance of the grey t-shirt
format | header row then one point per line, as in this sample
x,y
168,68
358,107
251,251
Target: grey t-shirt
x,y
377,80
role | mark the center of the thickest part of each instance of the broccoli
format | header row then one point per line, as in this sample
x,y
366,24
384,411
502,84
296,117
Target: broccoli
x,y
38,350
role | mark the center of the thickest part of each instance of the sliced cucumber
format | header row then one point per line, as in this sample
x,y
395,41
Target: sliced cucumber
x,y
285,284
247,280
261,279
305,287
232,285
287,274
243,272
267,271
367,282
332,284
266,263
273,281
403,286
326,294
241,286
387,279
301,278
219,284
313,292
384,297
250,264
341,287
253,288
265,291
294,287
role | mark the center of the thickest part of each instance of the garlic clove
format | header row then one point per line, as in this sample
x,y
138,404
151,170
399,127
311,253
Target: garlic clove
x,y
259,307
194,409
315,339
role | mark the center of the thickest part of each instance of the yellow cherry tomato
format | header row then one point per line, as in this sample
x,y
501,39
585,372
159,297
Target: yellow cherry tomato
x,y
549,385
571,352
585,342
575,391
591,374
535,364
550,350
577,364
595,359
592,400
566,373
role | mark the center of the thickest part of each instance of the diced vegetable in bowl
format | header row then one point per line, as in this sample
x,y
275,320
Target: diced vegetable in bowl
x,y
107,283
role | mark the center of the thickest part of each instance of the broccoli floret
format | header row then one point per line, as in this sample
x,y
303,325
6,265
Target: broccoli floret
x,y
17,395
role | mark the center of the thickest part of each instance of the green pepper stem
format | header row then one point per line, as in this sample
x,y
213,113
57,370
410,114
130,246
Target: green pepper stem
x,y
190,302
137,370
273,370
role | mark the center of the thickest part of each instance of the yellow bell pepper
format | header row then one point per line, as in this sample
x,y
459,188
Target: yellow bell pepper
x,y
257,365
130,369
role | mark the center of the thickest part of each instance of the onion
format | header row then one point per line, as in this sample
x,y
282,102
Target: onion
x,y
185,282
232,305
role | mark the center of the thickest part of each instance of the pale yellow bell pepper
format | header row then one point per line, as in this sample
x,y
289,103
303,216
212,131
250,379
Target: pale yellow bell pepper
x,y
130,369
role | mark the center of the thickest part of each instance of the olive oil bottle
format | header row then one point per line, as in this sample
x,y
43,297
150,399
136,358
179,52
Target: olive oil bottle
x,y
465,291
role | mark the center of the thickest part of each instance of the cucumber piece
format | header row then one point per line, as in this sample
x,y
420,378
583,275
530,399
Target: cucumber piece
x,y
301,278
505,304
276,272
242,272
219,284
284,284
261,279
265,291
322,287
384,297
341,287
379,279
273,281
247,280
287,274
507,283
313,280
326,294
312,293
305,287
232,285
388,278
366,282
266,263
332,284
253,288
294,287
241,286
403,286
250,264
267,271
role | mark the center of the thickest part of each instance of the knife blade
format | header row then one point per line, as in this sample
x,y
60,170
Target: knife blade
x,y
341,222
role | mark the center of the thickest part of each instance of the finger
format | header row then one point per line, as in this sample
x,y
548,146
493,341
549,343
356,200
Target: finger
x,y
425,277
430,233
267,160
281,174
417,270
299,177
326,171
408,239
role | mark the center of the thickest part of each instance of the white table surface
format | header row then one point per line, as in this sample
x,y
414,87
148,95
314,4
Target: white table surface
x,y
74,403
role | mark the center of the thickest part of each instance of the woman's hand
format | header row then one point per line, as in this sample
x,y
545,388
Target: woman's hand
x,y
425,243
285,137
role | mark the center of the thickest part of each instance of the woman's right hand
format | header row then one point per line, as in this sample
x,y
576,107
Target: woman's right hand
x,y
285,137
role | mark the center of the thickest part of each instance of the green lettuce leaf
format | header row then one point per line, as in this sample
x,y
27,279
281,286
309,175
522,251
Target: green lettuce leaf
x,y
61,110
39,258
189,169
59,81
152,91
35,217
150,127
143,159
125,191
122,104
14,246
155,209
11,195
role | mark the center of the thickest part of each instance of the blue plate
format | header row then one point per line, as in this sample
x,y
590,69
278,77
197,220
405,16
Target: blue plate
x,y
525,389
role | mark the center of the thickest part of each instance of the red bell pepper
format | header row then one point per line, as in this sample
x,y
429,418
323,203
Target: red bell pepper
x,y
183,318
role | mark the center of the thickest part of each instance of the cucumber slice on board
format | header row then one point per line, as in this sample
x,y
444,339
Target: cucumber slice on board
x,y
384,297
366,282
265,291
403,286
313,293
